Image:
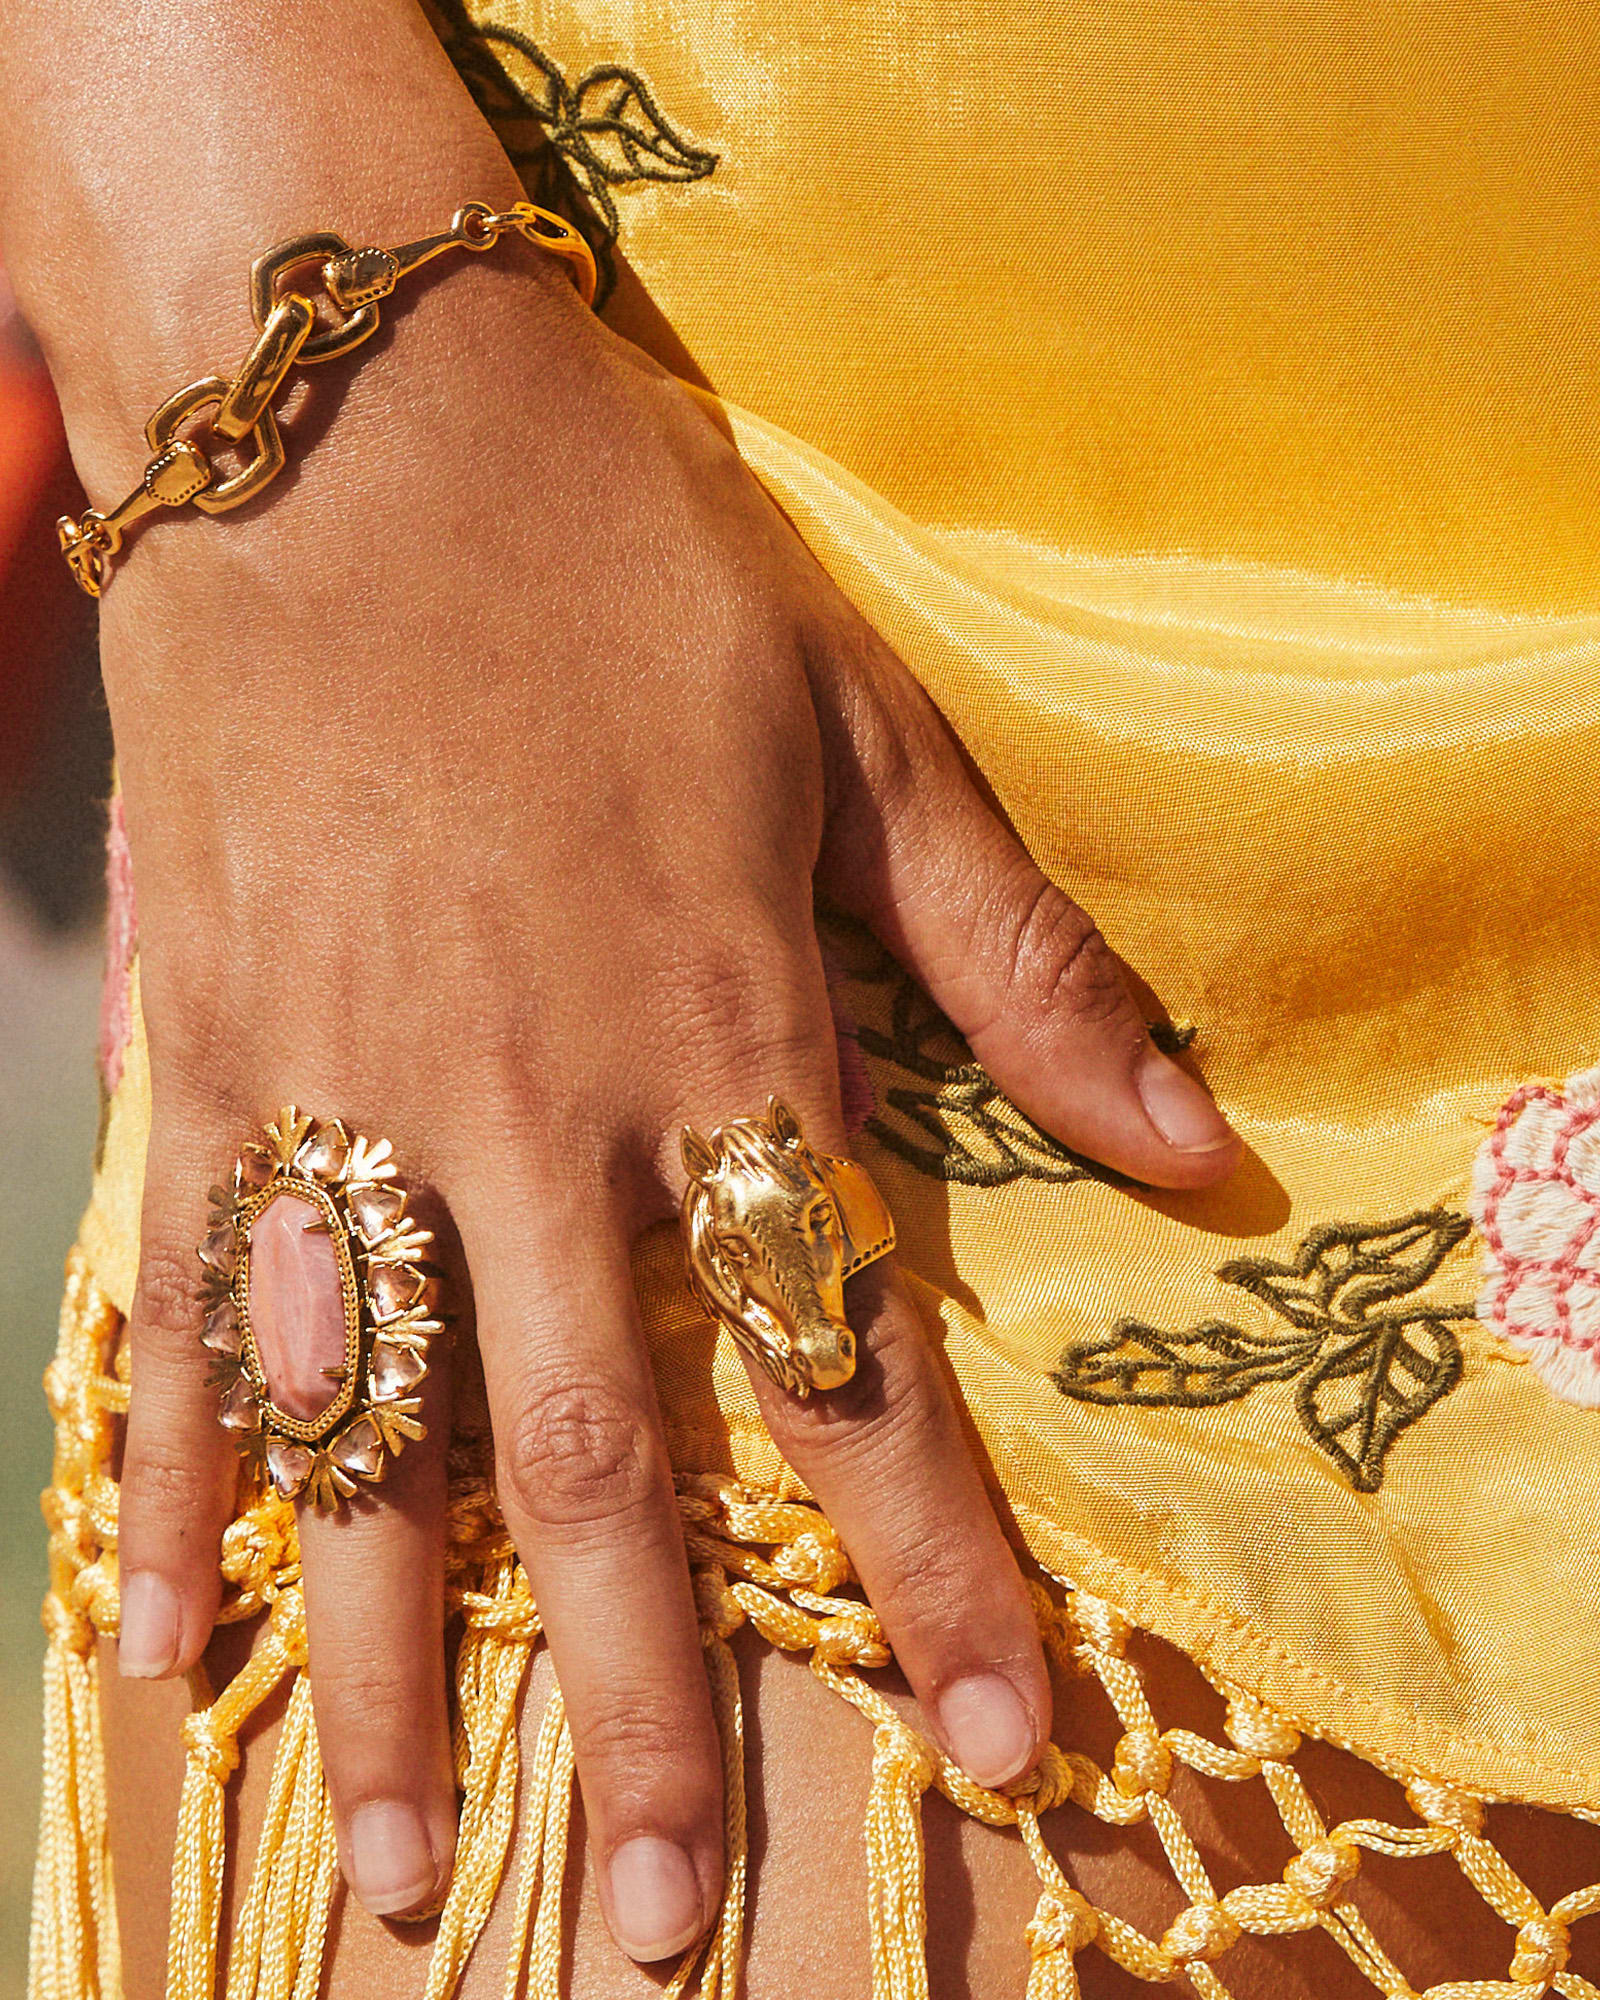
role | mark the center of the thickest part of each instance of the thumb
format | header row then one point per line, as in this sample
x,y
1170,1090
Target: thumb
x,y
1021,970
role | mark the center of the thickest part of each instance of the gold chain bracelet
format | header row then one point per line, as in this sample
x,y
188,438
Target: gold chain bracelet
x,y
289,329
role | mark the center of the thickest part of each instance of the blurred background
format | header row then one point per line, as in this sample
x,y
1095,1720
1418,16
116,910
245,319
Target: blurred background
x,y
55,759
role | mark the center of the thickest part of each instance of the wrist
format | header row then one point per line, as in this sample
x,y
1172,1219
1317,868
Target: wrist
x,y
191,318
136,190
379,445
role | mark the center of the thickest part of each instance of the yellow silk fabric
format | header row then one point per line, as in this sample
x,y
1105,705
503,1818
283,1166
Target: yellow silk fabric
x,y
1201,398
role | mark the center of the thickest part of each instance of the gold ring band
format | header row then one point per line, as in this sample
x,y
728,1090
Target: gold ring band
x,y
772,1228
325,1420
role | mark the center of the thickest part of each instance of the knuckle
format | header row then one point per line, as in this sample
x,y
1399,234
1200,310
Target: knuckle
x,y
579,1452
892,1410
1058,959
706,988
929,1578
365,1715
166,1303
200,1019
755,1009
176,1497
641,1735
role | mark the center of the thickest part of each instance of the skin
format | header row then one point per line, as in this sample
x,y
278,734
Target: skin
x,y
412,845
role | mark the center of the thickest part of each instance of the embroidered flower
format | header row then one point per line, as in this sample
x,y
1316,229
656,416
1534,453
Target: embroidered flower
x,y
1536,1201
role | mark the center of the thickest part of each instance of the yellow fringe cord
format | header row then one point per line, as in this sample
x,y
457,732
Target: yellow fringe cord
x,y
73,1950
1062,1923
545,1979
490,1671
775,1566
278,1940
545,1811
74,1944
901,1772
719,1959
211,1737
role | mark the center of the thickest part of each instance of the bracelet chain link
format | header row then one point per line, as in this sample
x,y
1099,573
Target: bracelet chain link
x,y
290,332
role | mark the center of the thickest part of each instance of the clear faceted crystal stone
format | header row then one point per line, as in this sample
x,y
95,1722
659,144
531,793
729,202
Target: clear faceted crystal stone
x,y
375,1210
221,1330
325,1154
395,1370
358,1449
220,1250
254,1169
240,1411
288,1464
393,1287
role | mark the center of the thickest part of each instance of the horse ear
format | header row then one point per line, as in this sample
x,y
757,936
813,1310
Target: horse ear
x,y
785,1125
698,1159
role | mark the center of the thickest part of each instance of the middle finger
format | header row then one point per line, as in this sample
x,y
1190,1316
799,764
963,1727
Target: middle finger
x,y
585,1486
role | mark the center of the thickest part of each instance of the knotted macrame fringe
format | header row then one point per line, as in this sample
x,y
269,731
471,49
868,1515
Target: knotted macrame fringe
x,y
901,1772
211,1739
546,1814
490,1671
775,1566
718,1960
1061,1925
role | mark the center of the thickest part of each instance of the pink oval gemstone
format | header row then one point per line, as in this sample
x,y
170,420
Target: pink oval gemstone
x,y
296,1306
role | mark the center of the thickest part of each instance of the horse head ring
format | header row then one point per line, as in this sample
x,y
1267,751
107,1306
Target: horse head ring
x,y
773,1228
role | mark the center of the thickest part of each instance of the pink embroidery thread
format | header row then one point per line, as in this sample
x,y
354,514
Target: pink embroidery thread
x,y
122,931
1536,1201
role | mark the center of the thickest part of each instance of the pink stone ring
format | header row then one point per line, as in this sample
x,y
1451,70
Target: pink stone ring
x,y
318,1312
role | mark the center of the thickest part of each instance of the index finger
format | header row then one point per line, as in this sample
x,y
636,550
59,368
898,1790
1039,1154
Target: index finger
x,y
886,1458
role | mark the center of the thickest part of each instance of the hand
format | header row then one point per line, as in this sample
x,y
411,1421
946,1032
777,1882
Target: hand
x,y
477,788
478,779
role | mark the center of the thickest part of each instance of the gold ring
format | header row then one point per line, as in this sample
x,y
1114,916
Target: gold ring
x,y
772,1229
321,1410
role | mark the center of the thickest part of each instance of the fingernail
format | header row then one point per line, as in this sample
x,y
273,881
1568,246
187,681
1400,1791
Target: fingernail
x,y
1179,1108
655,1898
152,1619
391,1864
987,1728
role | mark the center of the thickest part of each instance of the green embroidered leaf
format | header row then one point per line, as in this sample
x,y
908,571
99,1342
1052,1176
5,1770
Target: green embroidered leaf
x,y
607,127
1211,1363
1362,1378
953,1121
975,1135
1366,1390
571,143
613,109
1342,1270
